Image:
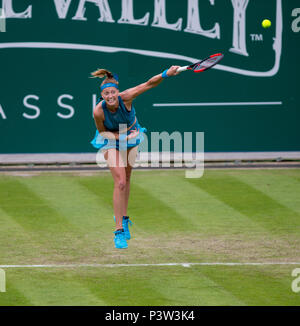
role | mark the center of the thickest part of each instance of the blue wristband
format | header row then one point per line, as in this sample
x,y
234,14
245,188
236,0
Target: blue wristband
x,y
164,74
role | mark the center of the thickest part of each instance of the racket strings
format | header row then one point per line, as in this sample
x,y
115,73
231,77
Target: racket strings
x,y
207,63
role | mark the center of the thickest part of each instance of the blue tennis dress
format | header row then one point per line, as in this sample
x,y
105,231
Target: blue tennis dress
x,y
112,122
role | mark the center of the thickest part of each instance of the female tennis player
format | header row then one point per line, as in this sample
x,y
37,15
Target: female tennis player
x,y
118,135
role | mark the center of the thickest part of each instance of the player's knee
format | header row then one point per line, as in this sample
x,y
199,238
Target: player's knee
x,y
120,182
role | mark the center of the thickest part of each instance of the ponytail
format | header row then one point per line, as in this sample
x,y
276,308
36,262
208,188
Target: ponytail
x,y
109,76
100,73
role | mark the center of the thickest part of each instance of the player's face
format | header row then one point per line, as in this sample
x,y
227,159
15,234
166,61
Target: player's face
x,y
110,95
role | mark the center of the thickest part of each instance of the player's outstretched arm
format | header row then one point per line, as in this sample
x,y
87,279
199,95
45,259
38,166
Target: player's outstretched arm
x,y
130,94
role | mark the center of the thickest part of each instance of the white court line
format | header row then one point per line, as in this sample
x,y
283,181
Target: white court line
x,y
146,265
217,104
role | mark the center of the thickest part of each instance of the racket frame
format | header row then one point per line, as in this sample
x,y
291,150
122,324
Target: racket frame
x,y
190,67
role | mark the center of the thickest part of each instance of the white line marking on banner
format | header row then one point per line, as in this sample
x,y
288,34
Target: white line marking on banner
x,y
218,104
155,54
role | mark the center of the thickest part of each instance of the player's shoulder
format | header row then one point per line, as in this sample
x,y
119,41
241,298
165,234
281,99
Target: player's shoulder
x,y
98,111
126,98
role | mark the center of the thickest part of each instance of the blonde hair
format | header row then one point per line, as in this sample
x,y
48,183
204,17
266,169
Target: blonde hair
x,y
100,73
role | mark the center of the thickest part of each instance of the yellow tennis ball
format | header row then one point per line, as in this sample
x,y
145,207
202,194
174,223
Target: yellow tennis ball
x,y
266,23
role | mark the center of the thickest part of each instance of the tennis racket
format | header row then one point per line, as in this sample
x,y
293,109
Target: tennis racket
x,y
203,64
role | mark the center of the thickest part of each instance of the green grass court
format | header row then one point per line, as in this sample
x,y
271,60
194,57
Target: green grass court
x,y
226,216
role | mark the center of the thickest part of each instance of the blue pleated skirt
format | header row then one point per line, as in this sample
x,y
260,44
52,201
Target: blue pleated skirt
x,y
103,144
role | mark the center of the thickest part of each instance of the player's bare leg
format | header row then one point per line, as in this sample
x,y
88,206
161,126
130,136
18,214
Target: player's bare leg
x,y
117,168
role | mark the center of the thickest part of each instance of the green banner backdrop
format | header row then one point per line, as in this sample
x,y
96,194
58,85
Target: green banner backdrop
x,y
250,102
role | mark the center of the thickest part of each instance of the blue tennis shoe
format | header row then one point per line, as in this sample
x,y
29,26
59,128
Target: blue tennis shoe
x,y
125,223
120,241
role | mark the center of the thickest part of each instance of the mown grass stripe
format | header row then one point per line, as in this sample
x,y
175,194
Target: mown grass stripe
x,y
12,296
282,188
161,286
74,201
52,288
157,214
28,209
254,286
191,287
124,287
101,187
54,238
16,243
248,201
195,205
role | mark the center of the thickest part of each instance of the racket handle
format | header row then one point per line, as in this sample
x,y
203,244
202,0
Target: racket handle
x,y
182,68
